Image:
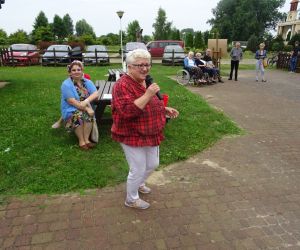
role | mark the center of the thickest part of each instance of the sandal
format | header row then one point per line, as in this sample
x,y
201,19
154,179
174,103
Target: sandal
x,y
84,147
91,145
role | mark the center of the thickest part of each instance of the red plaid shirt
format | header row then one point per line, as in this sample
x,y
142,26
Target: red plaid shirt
x,y
131,125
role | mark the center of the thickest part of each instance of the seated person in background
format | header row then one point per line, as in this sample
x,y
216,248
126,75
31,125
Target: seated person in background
x,y
59,123
202,64
209,63
191,67
77,113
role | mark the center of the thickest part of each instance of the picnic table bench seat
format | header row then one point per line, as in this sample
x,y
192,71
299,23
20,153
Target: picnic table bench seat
x,y
112,74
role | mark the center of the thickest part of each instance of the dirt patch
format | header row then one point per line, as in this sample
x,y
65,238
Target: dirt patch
x,y
2,84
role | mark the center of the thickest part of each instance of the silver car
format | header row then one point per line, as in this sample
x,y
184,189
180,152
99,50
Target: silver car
x,y
96,54
132,46
173,54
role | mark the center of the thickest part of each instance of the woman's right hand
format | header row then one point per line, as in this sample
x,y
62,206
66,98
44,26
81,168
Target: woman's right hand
x,y
90,111
152,89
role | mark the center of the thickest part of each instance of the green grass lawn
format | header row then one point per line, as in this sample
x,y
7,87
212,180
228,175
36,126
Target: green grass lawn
x,y
37,159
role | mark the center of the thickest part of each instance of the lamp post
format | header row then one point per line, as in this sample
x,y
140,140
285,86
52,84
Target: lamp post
x,y
120,14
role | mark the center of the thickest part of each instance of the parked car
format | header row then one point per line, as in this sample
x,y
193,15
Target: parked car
x,y
173,54
61,54
24,54
132,46
156,48
96,54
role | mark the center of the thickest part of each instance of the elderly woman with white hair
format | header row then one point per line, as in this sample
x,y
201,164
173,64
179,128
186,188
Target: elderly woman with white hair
x,y
139,117
192,68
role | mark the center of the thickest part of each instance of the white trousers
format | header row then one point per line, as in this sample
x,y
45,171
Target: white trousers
x,y
142,161
260,68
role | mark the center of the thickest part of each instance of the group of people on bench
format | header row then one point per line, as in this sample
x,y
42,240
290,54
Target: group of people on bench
x,y
200,66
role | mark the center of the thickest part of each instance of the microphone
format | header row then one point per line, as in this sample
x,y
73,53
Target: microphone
x,y
149,81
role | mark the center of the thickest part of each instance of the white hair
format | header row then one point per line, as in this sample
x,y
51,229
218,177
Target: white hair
x,y
191,53
137,53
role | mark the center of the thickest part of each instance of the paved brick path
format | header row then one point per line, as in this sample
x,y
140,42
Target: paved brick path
x,y
243,193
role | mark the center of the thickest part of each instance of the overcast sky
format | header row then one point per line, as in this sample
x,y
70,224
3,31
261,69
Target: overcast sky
x,y
101,14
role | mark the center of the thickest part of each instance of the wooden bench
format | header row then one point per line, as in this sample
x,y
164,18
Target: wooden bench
x,y
112,74
105,96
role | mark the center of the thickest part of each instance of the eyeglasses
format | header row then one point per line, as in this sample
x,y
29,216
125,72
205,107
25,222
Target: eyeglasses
x,y
140,66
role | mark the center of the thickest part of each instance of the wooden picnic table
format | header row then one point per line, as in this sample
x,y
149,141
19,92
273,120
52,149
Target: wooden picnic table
x,y
105,95
112,74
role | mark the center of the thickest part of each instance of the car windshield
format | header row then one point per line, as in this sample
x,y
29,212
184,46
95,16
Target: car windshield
x,y
96,47
133,46
175,48
58,47
20,47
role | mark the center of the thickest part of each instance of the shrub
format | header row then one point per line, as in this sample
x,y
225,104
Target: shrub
x,y
288,48
43,45
276,47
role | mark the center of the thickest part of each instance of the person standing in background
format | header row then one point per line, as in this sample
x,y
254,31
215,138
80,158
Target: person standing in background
x,y
294,58
236,55
260,56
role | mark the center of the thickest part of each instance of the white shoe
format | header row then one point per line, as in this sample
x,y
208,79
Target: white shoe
x,y
144,190
56,125
138,204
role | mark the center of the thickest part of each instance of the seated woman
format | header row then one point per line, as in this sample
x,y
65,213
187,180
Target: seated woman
x,y
208,58
76,95
191,67
202,65
59,122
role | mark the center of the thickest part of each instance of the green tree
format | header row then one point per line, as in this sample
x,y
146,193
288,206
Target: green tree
x,y
82,27
147,38
198,41
238,20
43,34
294,38
20,36
189,40
68,23
206,35
253,43
277,44
187,30
131,30
87,39
40,21
162,28
114,38
175,34
3,37
58,27
104,40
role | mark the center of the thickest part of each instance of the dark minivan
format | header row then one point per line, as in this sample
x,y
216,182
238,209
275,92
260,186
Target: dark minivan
x,y
156,48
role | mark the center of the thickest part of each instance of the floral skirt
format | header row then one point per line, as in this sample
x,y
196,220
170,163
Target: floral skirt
x,y
77,119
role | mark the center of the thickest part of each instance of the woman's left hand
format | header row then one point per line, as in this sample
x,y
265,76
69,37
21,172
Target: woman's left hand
x,y
171,112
